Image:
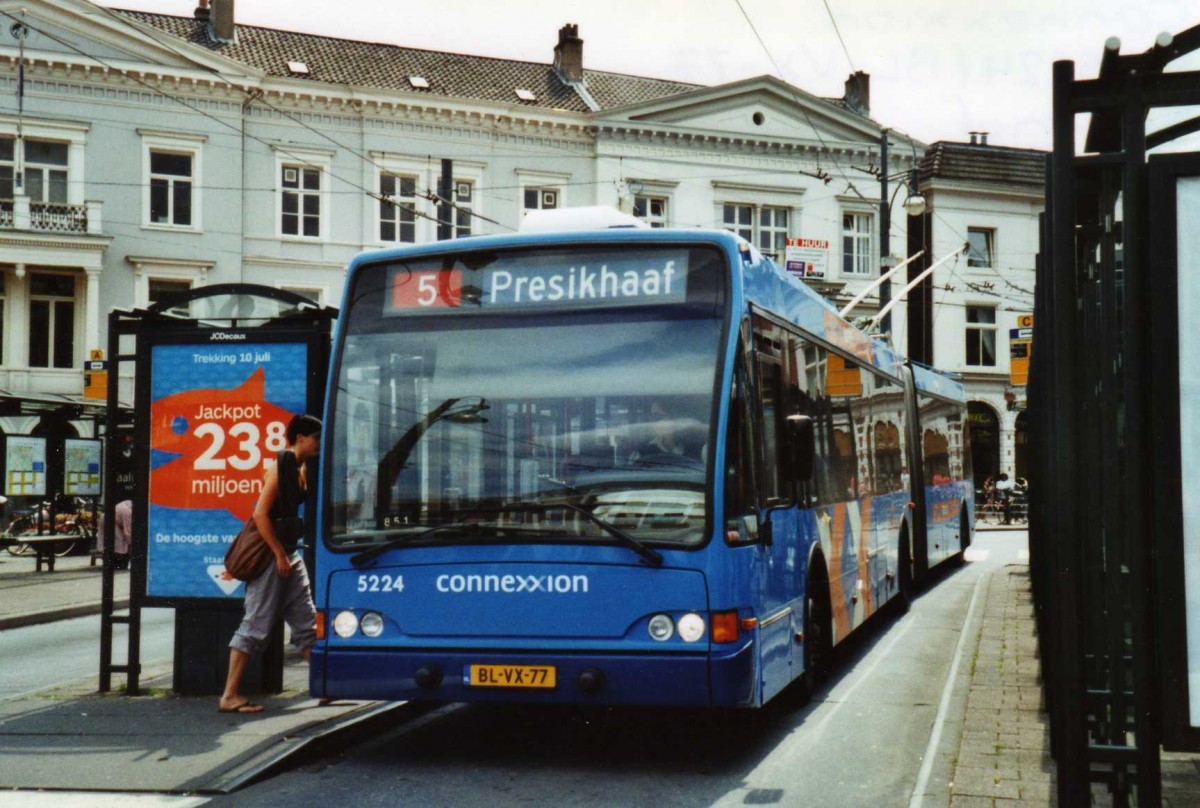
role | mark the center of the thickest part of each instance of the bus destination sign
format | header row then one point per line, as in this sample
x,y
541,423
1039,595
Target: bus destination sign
x,y
532,281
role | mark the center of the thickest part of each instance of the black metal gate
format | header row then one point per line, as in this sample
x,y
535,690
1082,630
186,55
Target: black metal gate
x,y
1096,428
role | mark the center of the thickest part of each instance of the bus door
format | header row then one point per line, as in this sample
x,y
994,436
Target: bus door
x,y
781,567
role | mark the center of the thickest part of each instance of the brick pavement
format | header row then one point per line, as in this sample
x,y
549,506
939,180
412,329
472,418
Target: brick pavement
x,y
1004,760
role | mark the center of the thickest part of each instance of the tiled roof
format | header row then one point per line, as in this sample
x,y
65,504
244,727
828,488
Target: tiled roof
x,y
370,64
999,165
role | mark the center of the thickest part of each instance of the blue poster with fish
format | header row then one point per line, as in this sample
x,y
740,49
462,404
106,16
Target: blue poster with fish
x,y
218,417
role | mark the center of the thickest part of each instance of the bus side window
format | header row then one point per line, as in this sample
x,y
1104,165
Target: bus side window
x,y
768,351
741,520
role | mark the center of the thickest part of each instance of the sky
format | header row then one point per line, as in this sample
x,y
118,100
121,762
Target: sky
x,y
939,68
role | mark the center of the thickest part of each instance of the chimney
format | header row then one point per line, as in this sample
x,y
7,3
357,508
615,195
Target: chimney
x,y
858,93
983,138
201,13
568,54
974,138
220,25
979,138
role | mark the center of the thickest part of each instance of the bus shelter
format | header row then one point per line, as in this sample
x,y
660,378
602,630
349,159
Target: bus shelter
x,y
216,374
1114,400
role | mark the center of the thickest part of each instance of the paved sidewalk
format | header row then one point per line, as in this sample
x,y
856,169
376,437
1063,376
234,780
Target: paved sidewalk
x,y
72,738
1004,759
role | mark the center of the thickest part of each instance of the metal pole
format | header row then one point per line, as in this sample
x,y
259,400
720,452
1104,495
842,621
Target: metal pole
x,y
1069,685
445,228
885,227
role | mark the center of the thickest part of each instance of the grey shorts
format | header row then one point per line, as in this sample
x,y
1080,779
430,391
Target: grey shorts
x,y
267,596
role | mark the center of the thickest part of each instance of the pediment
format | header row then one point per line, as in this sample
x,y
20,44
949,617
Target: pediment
x,y
79,31
760,108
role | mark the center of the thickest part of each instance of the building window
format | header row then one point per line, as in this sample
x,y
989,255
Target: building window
x,y
464,192
763,226
308,292
739,219
856,244
773,231
51,321
397,208
651,209
981,336
979,247
301,187
541,198
7,167
46,171
159,288
171,182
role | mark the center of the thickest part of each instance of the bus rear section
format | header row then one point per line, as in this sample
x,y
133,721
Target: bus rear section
x,y
517,496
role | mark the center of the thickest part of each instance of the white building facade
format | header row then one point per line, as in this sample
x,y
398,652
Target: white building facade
x,y
986,199
142,154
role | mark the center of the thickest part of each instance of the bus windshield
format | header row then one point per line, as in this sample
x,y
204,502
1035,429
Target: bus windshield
x,y
537,425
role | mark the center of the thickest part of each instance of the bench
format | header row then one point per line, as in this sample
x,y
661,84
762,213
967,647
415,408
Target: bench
x,y
43,546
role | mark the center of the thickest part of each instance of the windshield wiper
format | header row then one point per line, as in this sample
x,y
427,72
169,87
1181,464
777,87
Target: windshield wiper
x,y
459,410
651,555
472,529
371,554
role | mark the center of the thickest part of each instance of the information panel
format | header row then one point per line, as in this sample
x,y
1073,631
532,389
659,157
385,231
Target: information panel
x,y
24,466
81,467
1188,275
218,416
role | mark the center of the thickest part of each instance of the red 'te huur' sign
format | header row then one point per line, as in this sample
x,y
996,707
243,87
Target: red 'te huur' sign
x,y
431,289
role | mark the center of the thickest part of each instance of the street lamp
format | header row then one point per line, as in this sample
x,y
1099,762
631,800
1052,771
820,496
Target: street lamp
x,y
914,205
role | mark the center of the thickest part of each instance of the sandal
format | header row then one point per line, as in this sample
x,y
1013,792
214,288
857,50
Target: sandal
x,y
245,708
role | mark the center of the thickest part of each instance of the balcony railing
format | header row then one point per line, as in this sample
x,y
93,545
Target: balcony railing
x,y
49,217
58,217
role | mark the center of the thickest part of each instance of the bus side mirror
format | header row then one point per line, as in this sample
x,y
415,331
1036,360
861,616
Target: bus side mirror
x,y
800,430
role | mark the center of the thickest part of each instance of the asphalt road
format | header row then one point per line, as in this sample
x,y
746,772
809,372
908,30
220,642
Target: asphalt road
x,y
883,732
67,653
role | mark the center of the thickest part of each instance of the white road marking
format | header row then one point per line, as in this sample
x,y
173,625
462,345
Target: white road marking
x,y
94,799
976,554
935,737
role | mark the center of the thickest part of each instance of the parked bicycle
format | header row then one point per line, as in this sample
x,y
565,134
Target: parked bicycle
x,y
77,526
998,507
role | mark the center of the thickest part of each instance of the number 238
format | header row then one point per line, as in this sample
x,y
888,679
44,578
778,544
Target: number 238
x,y
380,583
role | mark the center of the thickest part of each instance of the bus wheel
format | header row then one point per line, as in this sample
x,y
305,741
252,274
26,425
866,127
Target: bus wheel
x,y
818,647
905,574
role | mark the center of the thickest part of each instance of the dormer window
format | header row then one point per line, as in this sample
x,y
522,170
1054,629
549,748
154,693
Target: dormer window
x,y
526,95
419,82
298,68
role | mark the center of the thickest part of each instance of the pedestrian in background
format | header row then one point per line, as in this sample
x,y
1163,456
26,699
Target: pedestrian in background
x,y
283,585
122,532
1004,490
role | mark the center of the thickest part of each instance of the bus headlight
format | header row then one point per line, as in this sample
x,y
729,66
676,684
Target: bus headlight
x,y
345,624
661,627
371,624
691,627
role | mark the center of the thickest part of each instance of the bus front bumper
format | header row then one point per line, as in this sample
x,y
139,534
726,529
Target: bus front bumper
x,y
715,679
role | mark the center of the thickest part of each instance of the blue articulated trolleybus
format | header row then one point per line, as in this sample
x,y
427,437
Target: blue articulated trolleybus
x,y
622,466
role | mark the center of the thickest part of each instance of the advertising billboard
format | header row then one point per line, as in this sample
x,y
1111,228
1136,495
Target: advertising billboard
x,y
218,416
